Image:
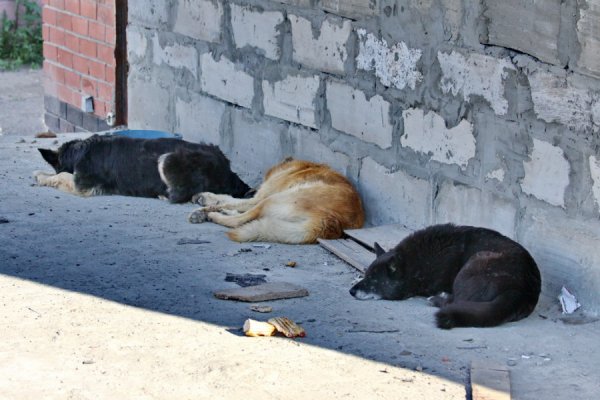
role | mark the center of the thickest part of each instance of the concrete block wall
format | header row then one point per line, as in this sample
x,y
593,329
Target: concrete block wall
x,y
445,111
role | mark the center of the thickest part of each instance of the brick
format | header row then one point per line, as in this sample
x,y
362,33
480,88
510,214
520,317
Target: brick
x,y
106,15
54,72
352,8
57,36
46,33
594,163
395,66
199,120
72,6
80,25
144,112
110,74
588,35
175,56
71,42
307,146
89,87
50,52
55,106
292,99
88,48
328,51
65,94
464,205
49,16
106,54
256,146
111,36
352,113
558,98
65,58
393,197
199,19
57,3
257,29
528,26
97,30
566,251
546,173
81,64
428,134
475,74
105,91
72,80
88,8
225,80
150,13
64,21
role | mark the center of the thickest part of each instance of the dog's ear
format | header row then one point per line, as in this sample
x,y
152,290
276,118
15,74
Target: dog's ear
x,y
378,249
50,156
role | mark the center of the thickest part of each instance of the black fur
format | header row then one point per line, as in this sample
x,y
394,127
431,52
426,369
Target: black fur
x,y
126,166
491,278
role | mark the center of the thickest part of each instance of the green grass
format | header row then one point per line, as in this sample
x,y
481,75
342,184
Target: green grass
x,y
21,39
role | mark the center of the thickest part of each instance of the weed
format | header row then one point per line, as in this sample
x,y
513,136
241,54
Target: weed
x,y
21,38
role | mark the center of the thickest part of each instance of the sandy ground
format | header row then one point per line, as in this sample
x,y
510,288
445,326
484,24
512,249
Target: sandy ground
x,y
100,301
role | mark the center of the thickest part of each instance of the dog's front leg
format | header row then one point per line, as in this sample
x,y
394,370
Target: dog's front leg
x,y
62,181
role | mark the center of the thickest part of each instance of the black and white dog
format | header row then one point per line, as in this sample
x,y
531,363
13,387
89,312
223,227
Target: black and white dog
x,y
171,168
476,276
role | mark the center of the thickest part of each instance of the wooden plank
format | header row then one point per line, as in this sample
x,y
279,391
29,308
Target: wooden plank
x,y
489,381
264,292
350,251
388,236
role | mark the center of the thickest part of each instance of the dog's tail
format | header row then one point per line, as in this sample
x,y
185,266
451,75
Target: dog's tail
x,y
509,306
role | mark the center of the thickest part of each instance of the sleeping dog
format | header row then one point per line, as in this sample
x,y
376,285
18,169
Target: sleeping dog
x,y
170,168
476,276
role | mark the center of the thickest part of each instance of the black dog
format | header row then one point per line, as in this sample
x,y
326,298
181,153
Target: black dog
x,y
492,279
169,168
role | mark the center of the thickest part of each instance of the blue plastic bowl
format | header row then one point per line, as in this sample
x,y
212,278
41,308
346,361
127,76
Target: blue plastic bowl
x,y
146,134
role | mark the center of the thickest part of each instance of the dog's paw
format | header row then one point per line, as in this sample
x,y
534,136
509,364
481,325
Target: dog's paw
x,y
440,300
205,199
39,176
197,217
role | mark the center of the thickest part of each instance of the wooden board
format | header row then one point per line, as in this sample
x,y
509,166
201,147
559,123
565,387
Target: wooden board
x,y
388,236
357,248
490,382
351,252
264,292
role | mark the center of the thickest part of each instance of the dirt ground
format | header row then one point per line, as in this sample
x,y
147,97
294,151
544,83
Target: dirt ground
x,y
99,300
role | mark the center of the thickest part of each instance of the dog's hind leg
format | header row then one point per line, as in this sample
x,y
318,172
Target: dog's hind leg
x,y
208,199
233,221
63,181
271,230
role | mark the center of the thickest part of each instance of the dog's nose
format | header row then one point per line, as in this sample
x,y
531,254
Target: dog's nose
x,y
353,290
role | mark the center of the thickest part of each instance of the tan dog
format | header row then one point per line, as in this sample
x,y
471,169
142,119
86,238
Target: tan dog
x,y
298,202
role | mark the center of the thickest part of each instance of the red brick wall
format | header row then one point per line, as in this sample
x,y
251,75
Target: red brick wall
x,y
79,52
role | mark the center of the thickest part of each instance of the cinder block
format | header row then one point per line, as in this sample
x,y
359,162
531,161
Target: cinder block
x,y
55,106
556,99
301,3
395,66
137,44
226,81
199,120
595,173
588,35
200,19
394,197
307,146
326,52
531,27
256,147
475,74
463,205
546,173
148,105
175,56
352,113
52,122
257,29
427,134
292,99
566,251
352,8
150,14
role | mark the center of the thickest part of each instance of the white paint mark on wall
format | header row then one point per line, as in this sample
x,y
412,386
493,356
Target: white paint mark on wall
x,y
176,56
427,133
555,99
394,66
476,74
595,172
546,173
497,174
